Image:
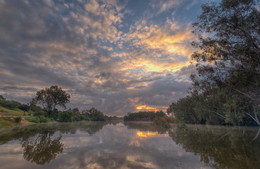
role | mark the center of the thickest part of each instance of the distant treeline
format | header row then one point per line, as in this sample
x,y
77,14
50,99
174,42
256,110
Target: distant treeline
x,y
159,118
226,87
42,108
144,116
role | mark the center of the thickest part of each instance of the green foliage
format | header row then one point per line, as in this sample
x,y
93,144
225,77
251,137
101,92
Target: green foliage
x,y
43,115
24,107
51,97
43,119
226,88
65,116
34,119
161,122
17,119
37,110
144,116
10,112
112,118
229,56
215,106
38,119
181,125
74,115
212,143
10,104
95,115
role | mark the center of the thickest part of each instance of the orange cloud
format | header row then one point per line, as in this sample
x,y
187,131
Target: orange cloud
x,y
162,48
174,44
169,38
152,66
146,134
150,108
146,108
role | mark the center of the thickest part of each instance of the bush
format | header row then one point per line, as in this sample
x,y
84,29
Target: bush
x,y
24,107
33,119
38,119
43,119
161,122
17,119
181,125
10,104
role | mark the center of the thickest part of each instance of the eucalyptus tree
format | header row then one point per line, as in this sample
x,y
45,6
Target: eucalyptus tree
x,y
52,97
228,55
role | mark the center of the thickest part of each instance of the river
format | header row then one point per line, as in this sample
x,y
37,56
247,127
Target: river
x,y
136,145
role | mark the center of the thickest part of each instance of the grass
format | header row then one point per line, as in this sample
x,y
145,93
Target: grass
x,y
9,112
33,119
12,117
6,122
38,119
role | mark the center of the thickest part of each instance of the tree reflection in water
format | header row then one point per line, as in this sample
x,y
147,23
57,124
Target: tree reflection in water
x,y
42,149
221,147
40,143
116,146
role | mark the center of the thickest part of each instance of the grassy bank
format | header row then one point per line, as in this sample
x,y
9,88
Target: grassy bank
x,y
13,117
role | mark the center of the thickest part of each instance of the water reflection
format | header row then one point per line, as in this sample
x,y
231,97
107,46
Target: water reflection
x,y
129,145
42,149
39,143
221,147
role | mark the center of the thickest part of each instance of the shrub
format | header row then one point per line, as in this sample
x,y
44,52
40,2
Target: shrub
x,y
43,119
161,122
33,119
10,104
24,107
17,119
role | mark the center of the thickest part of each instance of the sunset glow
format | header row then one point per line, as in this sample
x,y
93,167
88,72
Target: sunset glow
x,y
146,134
129,84
105,53
147,108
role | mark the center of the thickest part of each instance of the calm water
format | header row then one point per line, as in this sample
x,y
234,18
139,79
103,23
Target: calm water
x,y
129,145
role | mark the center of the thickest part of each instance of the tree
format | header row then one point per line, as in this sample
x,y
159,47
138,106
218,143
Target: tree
x,y
170,109
2,98
10,104
144,116
24,107
43,149
95,115
51,97
229,54
228,60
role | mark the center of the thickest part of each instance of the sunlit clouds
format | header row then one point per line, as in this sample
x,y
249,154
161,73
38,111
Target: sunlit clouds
x,y
146,134
151,108
106,53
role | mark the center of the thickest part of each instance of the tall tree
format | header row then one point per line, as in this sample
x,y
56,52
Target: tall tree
x,y
51,97
229,47
229,55
226,87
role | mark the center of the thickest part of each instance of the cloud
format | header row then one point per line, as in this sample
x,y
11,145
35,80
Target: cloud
x,y
172,37
164,5
93,50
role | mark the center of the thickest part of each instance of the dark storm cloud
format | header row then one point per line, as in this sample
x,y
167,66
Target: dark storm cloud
x,y
86,48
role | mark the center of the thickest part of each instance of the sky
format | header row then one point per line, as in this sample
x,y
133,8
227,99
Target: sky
x,y
119,56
